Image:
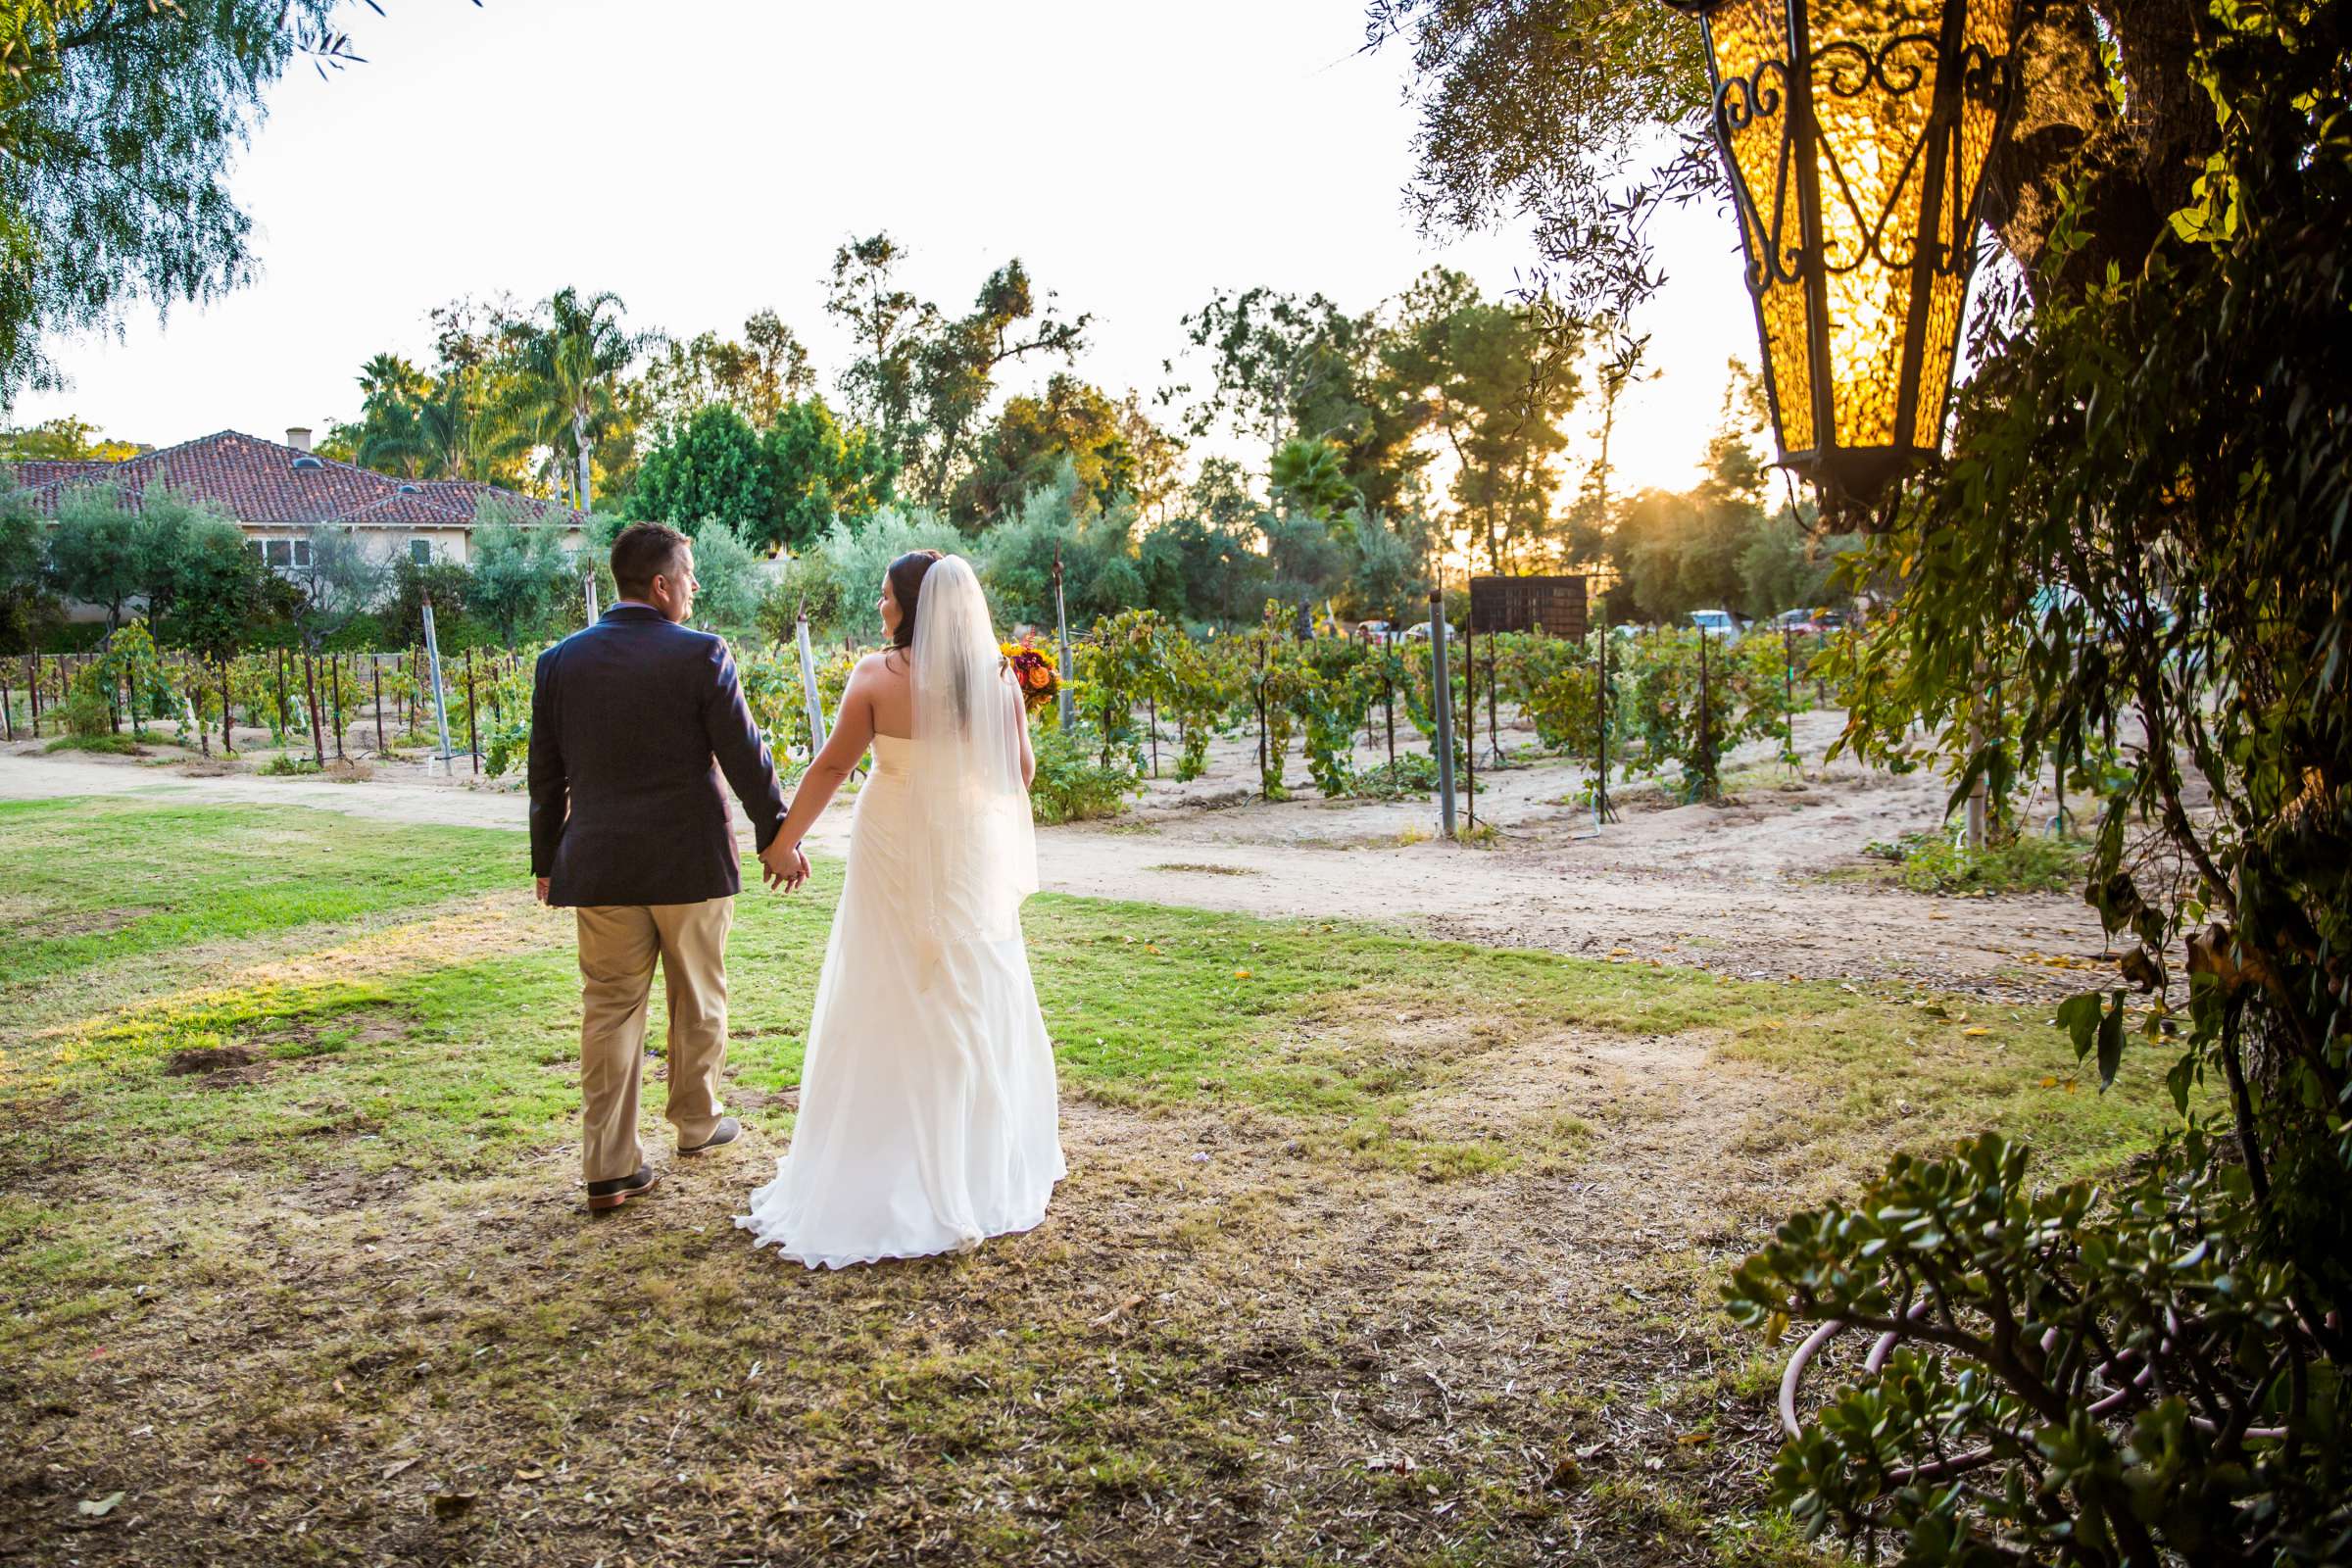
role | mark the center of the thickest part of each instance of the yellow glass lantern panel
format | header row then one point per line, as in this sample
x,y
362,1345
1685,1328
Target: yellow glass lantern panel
x,y
1857,134
1750,43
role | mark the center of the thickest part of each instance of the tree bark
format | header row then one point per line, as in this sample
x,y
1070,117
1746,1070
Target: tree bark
x,y
2132,168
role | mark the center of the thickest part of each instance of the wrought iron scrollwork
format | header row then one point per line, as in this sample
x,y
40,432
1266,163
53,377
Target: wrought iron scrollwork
x,y
1900,66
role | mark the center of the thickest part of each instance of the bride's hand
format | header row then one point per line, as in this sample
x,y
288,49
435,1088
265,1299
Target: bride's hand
x,y
782,866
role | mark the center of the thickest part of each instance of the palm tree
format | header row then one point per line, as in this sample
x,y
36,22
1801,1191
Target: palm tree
x,y
568,364
389,378
1312,476
438,438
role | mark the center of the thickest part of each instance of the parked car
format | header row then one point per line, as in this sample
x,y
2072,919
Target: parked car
x,y
1415,631
1809,622
1716,623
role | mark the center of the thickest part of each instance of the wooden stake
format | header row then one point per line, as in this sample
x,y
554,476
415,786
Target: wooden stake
x,y
310,694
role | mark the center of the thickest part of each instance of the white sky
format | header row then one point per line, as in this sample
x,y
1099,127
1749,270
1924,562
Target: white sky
x,y
703,159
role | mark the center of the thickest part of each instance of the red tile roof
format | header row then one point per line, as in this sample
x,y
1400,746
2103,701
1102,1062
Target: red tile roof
x,y
256,482
48,469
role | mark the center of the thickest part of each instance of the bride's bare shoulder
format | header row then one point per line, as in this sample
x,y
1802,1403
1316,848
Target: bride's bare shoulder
x,y
887,664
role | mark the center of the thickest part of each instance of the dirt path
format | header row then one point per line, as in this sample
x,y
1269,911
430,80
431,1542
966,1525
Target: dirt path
x,y
1773,883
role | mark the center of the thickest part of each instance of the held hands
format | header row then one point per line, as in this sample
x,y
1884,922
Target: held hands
x,y
783,866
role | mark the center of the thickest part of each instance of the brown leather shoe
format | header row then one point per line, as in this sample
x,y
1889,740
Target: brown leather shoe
x,y
620,1189
726,1132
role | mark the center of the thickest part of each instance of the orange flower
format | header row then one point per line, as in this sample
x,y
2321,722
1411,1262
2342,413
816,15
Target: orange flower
x,y
1040,677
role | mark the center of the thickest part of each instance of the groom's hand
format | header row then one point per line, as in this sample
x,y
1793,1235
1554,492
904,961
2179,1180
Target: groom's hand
x,y
777,865
540,889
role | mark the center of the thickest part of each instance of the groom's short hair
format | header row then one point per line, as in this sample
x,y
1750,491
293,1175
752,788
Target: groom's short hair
x,y
643,552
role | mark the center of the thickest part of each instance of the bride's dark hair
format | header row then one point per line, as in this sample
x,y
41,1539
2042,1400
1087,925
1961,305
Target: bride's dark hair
x,y
906,575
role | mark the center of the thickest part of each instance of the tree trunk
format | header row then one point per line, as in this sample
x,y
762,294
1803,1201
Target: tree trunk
x,y
2134,169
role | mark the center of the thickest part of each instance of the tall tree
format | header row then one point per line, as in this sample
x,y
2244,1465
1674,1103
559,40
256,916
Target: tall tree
x,y
885,321
572,355
759,374
712,467
118,120
62,439
823,471
957,365
1158,454
29,610
97,550
1070,422
1495,383
219,590
389,378
1283,366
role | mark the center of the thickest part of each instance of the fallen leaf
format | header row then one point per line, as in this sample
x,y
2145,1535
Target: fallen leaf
x,y
397,1466
533,1474
1240,974
1691,1440
100,1508
1128,1306
1976,1029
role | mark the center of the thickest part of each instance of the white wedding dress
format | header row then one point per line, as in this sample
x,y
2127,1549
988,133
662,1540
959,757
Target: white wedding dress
x,y
928,1117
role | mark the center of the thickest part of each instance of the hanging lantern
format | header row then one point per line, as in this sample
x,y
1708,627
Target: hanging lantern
x,y
1855,136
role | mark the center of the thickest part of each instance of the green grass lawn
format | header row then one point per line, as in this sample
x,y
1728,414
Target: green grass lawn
x,y
1357,1225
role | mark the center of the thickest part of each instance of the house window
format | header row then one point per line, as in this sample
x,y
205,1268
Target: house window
x,y
421,550
285,554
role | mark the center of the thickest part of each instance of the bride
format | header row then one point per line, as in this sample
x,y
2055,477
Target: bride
x,y
927,1119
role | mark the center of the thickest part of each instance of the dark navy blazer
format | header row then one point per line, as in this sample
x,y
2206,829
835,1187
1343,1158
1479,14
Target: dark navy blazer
x,y
633,721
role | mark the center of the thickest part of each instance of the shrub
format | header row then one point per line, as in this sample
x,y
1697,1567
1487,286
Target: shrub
x,y
87,712
1072,785
1412,774
1934,863
106,742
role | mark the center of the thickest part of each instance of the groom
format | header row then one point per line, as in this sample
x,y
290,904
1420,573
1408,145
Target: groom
x,y
632,722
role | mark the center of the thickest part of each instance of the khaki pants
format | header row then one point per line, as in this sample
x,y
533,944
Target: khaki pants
x,y
618,944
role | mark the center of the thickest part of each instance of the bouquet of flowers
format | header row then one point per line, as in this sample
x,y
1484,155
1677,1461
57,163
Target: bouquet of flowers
x,y
1034,668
